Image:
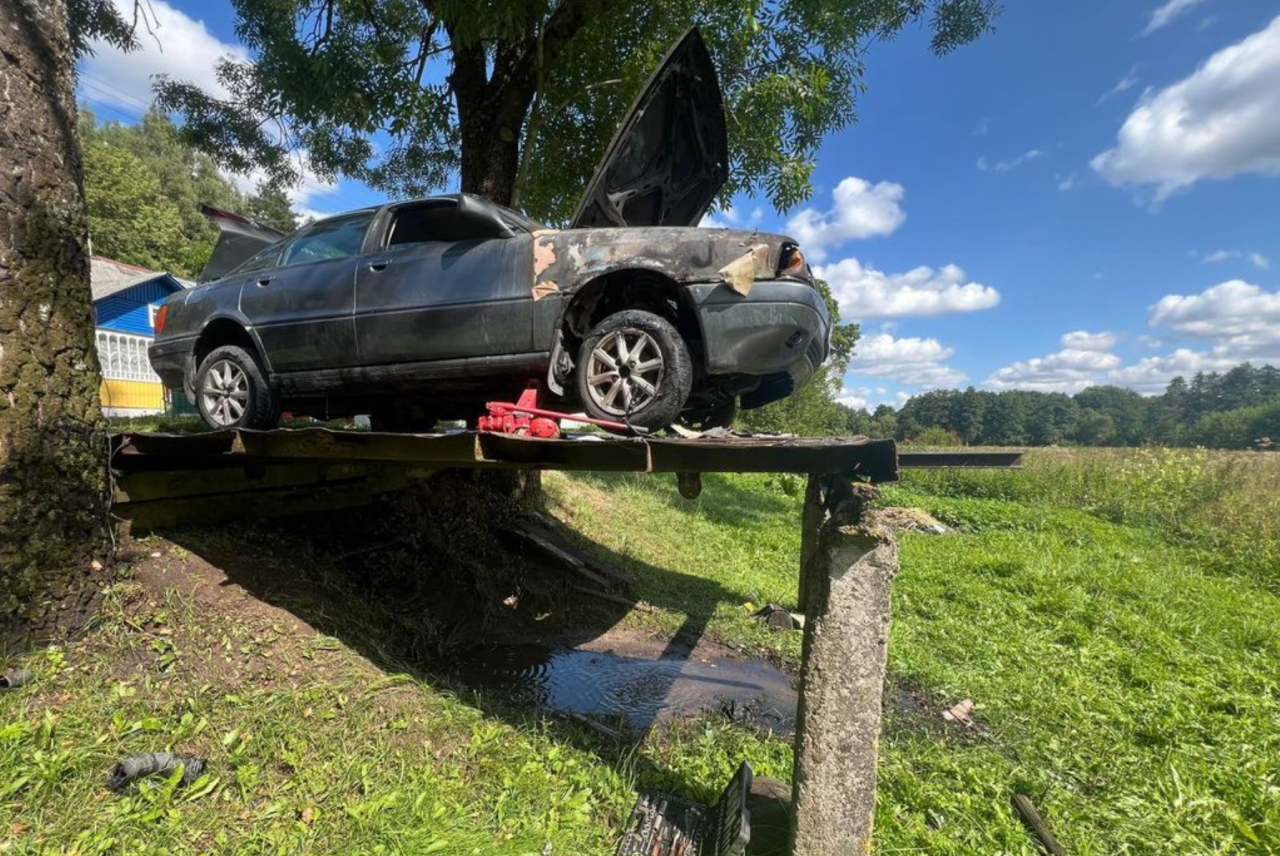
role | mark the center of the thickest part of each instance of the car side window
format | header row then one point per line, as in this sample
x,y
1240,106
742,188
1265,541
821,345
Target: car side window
x,y
336,238
442,220
418,224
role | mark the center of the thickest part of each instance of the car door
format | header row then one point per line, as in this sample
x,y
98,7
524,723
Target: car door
x,y
442,283
302,308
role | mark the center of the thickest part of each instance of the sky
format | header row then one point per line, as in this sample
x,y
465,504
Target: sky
x,y
1088,195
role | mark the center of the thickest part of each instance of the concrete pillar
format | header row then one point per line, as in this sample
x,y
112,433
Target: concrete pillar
x,y
846,592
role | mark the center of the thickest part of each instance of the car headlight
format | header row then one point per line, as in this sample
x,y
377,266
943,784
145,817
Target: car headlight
x,y
792,263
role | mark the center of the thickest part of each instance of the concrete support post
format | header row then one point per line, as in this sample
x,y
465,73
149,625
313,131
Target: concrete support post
x,y
811,520
846,592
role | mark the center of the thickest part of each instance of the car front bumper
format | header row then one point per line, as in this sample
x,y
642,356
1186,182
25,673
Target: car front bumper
x,y
781,328
173,361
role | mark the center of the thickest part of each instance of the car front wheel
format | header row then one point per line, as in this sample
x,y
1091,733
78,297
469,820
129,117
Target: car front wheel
x,y
232,392
634,368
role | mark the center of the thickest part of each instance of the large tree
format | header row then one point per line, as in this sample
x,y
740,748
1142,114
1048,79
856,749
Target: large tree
x,y
53,511
517,98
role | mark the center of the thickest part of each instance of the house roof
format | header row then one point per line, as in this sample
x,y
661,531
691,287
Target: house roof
x,y
108,276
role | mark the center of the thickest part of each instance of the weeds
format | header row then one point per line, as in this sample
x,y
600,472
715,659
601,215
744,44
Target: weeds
x,y
1108,613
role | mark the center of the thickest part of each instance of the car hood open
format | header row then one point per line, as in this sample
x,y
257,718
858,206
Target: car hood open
x,y
670,156
239,238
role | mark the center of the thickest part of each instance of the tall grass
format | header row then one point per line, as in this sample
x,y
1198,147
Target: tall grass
x,y
1225,504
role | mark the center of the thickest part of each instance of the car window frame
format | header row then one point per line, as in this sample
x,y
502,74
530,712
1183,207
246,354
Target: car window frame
x,y
247,266
370,217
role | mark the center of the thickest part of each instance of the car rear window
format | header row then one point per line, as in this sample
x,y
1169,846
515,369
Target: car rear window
x,y
329,239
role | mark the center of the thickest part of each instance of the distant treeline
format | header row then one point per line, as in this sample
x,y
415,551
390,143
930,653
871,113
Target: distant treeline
x,y
1238,409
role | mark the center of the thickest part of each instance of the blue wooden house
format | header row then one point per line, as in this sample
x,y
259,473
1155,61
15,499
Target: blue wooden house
x,y
125,300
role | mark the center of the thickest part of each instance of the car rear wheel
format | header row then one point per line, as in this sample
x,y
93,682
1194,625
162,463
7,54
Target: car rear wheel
x,y
634,368
232,392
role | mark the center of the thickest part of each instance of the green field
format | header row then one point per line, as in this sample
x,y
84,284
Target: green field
x,y
1114,616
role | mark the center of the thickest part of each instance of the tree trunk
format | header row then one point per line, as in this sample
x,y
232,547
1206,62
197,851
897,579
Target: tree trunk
x,y
53,511
491,113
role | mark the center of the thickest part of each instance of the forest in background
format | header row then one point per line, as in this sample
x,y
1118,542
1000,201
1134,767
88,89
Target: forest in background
x,y
144,188
1237,409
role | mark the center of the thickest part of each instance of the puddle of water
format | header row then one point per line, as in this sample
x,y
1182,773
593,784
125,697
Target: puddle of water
x,y
638,691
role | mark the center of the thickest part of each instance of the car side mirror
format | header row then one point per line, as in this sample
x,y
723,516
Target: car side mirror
x,y
480,218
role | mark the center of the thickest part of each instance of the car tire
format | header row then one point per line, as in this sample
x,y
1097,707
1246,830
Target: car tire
x,y
651,374
232,391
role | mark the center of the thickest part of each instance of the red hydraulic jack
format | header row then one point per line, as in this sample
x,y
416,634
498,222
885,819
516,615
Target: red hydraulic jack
x,y
525,418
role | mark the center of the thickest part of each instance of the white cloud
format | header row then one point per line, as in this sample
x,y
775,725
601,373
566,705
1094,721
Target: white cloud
x,y
864,292
869,398
308,192
1221,121
186,51
912,361
1240,321
987,165
983,126
860,210
1084,356
1152,374
1123,85
1081,340
1255,258
1165,14
1066,183
1235,315
855,399
1069,370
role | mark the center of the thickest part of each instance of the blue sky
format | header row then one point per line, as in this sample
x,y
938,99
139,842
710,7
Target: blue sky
x,y
1088,195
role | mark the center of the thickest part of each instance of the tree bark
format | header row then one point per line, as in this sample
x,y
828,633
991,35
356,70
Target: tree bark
x,y
493,108
53,508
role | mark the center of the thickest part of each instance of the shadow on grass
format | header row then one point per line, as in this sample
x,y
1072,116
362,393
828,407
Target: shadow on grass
x,y
737,502
420,578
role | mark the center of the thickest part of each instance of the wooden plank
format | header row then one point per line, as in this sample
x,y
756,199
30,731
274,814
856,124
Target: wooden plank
x,y
546,541
176,483
165,513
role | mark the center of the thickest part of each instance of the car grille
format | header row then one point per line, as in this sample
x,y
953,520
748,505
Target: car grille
x,y
814,353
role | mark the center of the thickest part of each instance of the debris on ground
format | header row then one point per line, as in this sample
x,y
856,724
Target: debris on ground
x,y
1035,824
131,769
910,520
960,713
779,618
540,534
15,678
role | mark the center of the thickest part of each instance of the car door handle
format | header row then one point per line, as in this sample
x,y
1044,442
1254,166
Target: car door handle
x,y
379,265
265,281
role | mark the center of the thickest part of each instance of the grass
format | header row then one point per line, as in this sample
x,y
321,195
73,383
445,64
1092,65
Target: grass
x,y
1113,616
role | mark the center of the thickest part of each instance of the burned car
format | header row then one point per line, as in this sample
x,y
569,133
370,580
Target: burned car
x,y
422,310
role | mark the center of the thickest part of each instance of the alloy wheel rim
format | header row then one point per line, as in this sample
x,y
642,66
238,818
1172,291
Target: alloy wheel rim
x,y
225,393
624,371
